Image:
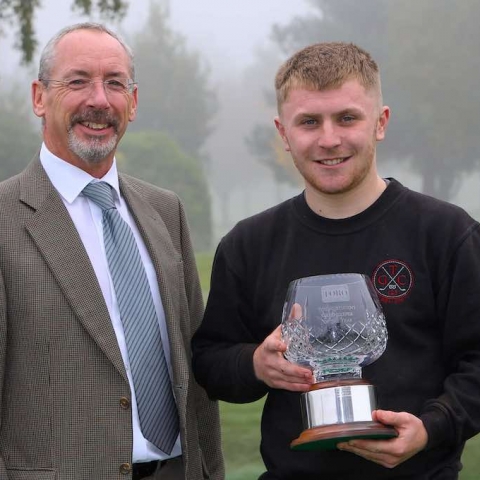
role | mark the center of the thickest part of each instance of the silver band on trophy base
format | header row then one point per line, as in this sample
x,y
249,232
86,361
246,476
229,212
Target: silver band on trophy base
x,y
342,404
334,325
333,414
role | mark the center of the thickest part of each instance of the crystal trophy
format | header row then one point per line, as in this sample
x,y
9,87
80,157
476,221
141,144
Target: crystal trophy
x,y
334,325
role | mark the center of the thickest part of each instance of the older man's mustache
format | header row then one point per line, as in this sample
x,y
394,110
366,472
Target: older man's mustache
x,y
95,116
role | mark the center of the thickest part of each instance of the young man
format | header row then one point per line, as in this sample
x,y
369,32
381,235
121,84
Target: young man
x,y
349,219
99,293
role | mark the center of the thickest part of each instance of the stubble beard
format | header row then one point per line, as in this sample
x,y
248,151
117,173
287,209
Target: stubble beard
x,y
356,178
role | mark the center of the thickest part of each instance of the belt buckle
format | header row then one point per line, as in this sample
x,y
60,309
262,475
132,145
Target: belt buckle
x,y
142,470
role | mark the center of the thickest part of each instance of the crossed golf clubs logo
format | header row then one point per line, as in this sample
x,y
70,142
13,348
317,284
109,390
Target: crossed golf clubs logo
x,y
393,279
392,284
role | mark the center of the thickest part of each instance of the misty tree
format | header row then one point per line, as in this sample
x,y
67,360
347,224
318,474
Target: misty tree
x,y
362,22
175,96
434,71
267,146
262,140
233,171
157,159
429,75
21,13
19,139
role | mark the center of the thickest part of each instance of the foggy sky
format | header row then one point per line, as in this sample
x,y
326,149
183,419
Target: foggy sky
x,y
227,35
225,32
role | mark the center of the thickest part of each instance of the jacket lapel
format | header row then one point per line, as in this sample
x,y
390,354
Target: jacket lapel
x,y
57,239
168,266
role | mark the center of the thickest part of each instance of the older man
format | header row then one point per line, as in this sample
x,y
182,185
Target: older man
x,y
99,293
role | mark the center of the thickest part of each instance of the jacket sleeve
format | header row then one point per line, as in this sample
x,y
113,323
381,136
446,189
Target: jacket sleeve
x,y
207,411
454,416
223,346
3,353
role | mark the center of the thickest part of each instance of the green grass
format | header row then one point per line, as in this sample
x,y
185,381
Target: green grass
x,y
471,460
241,424
204,265
241,440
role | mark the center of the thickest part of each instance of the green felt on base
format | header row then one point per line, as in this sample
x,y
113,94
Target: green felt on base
x,y
331,443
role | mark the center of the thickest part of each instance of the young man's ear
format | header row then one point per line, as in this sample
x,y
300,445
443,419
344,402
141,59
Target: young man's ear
x,y
382,123
281,130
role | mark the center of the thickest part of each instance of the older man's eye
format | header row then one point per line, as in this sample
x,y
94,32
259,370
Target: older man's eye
x,y
77,83
118,85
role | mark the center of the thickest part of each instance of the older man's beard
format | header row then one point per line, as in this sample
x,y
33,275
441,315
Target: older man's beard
x,y
95,149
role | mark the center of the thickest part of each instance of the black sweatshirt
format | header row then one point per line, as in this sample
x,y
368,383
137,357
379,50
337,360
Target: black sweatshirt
x,y
423,256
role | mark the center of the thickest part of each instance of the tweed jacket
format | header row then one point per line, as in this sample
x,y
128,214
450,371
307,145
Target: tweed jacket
x,y
64,394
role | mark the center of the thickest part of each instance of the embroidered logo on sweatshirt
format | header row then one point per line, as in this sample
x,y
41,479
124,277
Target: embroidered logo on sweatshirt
x,y
393,281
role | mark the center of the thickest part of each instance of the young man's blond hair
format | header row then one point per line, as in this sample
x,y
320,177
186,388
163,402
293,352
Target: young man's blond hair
x,y
325,66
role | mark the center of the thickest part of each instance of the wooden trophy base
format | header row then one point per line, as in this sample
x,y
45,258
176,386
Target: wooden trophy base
x,y
349,403
328,436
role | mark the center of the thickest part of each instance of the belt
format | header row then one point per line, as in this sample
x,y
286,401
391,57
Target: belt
x,y
142,470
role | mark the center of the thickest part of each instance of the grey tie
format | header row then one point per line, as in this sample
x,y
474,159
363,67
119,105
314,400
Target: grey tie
x,y
156,406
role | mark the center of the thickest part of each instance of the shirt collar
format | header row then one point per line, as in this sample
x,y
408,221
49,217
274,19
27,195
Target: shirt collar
x,y
70,180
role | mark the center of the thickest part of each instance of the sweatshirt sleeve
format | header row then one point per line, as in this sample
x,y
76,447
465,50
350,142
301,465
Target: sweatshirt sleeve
x,y
224,344
454,416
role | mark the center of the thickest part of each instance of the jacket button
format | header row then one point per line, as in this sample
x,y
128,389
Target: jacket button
x,y
125,468
125,403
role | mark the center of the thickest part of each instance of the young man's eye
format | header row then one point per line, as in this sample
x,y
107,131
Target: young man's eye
x,y
347,118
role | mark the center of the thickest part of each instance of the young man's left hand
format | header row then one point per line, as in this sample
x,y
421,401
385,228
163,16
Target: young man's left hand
x,y
412,438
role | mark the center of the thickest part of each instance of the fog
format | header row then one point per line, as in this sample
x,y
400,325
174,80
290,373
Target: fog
x,y
238,57
227,33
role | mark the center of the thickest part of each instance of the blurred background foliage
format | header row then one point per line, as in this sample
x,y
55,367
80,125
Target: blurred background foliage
x,y
19,140
176,171
175,95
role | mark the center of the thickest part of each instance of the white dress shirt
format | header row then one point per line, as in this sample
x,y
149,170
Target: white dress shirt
x,y
69,181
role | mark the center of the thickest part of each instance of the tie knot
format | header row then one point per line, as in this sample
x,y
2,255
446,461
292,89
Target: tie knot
x,y
101,193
